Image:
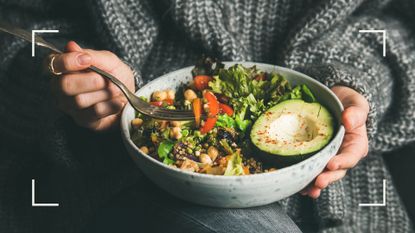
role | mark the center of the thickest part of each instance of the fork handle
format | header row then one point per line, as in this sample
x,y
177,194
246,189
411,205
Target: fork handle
x,y
113,79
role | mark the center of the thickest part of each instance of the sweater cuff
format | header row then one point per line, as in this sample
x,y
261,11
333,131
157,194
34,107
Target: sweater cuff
x,y
138,80
337,74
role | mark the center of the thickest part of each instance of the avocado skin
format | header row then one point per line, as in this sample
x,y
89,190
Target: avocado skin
x,y
277,161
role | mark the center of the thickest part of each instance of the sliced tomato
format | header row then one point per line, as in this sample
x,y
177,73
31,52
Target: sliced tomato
x,y
213,103
224,108
162,103
201,82
169,101
197,110
157,103
209,124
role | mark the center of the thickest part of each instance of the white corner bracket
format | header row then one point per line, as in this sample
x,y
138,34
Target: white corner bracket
x,y
33,37
34,204
378,204
383,40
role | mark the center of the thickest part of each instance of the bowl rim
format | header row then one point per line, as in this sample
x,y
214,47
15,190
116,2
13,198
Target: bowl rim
x,y
127,139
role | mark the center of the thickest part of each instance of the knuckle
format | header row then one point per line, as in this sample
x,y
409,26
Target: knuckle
x,y
66,84
80,101
67,62
113,90
97,82
98,110
109,54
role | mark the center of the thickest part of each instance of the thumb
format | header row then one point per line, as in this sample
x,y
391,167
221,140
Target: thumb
x,y
355,105
72,46
354,117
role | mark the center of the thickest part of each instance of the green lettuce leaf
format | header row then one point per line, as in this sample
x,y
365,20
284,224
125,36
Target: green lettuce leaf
x,y
225,121
164,150
300,92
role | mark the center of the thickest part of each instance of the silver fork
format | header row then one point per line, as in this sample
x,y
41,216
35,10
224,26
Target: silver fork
x,y
137,103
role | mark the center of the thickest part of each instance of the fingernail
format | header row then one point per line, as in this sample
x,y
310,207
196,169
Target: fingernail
x,y
84,59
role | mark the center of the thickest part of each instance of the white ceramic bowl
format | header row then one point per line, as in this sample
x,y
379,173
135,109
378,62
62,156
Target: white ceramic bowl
x,y
235,191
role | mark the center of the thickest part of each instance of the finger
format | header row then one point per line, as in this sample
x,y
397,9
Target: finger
x,y
350,97
328,177
72,61
86,100
101,110
354,117
305,190
314,192
75,84
72,46
354,148
104,59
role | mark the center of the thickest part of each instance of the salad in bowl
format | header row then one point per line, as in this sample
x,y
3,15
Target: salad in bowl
x,y
247,121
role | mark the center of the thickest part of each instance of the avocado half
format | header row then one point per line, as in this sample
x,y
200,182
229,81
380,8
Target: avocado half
x,y
292,130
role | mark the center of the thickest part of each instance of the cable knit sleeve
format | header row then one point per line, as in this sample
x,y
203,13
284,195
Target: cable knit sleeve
x,y
330,48
356,60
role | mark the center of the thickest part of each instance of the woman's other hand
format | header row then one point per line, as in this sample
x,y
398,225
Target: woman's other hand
x,y
91,100
355,142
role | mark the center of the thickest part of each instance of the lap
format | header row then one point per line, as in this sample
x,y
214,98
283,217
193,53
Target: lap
x,y
145,208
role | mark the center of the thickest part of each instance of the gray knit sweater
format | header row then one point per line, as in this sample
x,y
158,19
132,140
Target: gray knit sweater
x,y
320,38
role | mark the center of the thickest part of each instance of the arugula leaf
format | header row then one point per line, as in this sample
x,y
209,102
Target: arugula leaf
x,y
307,94
164,150
234,166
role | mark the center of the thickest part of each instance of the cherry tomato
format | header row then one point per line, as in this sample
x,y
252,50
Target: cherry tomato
x,y
201,82
226,109
162,103
197,110
212,103
209,124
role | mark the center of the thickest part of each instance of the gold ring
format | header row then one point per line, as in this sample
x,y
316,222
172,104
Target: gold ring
x,y
51,66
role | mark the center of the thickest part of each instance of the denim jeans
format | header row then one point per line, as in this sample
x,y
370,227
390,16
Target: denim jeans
x,y
145,208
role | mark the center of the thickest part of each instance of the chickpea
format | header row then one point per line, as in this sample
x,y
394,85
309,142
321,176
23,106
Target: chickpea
x,y
144,149
205,159
213,152
170,94
162,124
175,123
189,165
136,123
190,95
176,133
159,95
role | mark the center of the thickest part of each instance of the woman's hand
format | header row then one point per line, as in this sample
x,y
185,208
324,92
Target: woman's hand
x,y
92,101
355,142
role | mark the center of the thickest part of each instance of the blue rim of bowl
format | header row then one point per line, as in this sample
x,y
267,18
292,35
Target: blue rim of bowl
x,y
125,130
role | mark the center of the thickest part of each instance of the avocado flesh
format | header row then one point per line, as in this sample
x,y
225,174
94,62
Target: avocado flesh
x,y
293,128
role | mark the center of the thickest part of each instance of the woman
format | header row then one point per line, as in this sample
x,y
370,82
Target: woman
x,y
83,168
